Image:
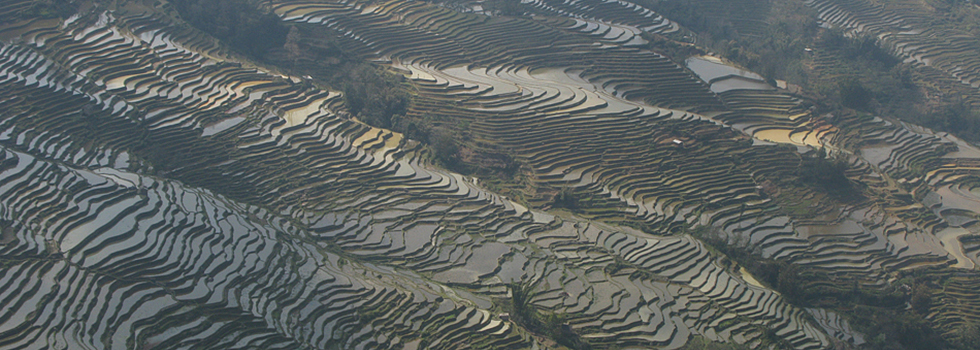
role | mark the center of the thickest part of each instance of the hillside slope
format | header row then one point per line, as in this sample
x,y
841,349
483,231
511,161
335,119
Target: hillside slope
x,y
162,190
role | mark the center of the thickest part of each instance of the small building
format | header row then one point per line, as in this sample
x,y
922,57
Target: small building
x,y
504,316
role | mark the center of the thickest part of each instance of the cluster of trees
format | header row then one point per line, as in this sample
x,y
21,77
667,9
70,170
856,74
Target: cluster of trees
x,y
881,313
957,117
566,198
243,24
309,48
966,336
826,172
444,146
671,48
894,318
693,15
495,7
50,9
374,96
865,47
487,161
549,324
871,79
507,7
867,77
773,53
699,342
790,280
875,81
454,148
854,95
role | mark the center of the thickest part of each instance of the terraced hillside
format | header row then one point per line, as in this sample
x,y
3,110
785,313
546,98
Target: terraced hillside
x,y
162,191
621,158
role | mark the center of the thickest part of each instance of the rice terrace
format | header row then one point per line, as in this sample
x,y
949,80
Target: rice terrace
x,y
489,174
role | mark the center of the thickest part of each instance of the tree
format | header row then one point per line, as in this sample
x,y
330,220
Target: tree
x,y
445,147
